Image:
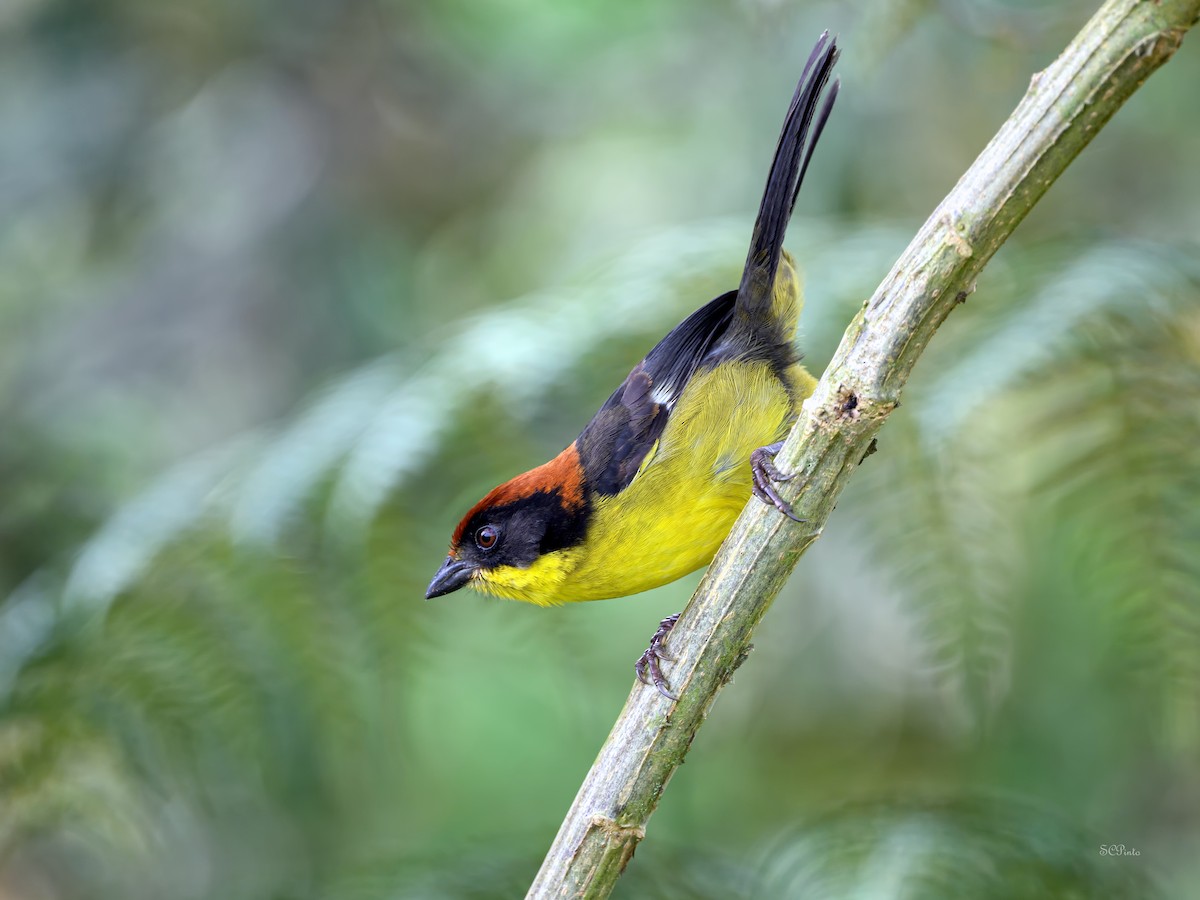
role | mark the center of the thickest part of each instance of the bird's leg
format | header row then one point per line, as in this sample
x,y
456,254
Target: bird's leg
x,y
765,473
649,662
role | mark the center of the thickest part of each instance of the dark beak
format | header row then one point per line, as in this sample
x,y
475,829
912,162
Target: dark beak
x,y
453,574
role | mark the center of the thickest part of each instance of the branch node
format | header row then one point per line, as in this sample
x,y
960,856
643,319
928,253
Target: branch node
x,y
615,833
847,402
956,232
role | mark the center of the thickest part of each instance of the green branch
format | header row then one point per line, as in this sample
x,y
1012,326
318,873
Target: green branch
x,y
1061,112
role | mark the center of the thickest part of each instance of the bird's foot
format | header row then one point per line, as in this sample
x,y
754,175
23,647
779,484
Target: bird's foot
x,y
765,474
649,663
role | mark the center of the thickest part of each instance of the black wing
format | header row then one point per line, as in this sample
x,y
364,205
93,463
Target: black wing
x,y
613,445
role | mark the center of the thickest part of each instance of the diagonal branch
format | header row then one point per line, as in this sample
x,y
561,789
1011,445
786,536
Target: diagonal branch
x,y
1063,109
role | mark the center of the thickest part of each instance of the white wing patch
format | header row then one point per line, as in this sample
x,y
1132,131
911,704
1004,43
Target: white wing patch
x,y
665,395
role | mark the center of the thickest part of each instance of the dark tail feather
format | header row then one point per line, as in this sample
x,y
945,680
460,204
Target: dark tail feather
x,y
792,155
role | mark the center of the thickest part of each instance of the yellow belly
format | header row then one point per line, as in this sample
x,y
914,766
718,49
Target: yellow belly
x,y
691,487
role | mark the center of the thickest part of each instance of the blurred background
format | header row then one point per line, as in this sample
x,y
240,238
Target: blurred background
x,y
284,287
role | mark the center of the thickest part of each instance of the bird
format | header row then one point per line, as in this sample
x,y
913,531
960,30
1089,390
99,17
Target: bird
x,y
652,485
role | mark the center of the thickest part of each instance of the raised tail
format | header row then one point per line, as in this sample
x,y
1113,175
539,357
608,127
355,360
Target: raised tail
x,y
795,148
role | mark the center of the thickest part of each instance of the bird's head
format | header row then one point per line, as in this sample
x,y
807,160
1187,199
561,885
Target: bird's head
x,y
517,541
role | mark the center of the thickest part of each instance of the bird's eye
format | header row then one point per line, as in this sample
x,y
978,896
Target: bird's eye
x,y
486,537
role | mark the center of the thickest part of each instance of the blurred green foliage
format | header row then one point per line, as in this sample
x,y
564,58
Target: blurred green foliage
x,y
285,286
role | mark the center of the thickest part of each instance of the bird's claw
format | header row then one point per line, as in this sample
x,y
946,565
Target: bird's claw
x,y
649,663
765,474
